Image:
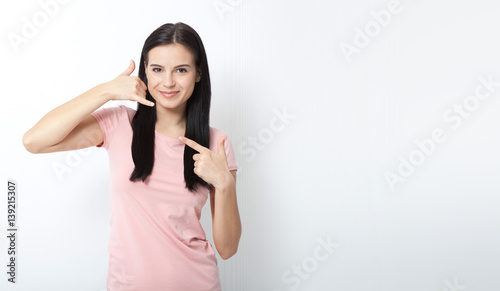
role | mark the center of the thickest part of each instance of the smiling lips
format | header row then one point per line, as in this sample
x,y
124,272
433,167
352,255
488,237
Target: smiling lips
x,y
169,94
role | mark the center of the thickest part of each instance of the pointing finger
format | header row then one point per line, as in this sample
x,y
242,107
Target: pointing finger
x,y
192,144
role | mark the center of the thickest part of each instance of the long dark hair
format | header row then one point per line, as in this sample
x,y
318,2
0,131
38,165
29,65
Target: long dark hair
x,y
197,106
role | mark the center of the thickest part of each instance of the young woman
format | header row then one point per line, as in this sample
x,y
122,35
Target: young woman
x,y
164,161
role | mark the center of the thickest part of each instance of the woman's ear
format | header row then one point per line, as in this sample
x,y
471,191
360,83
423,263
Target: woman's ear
x,y
198,76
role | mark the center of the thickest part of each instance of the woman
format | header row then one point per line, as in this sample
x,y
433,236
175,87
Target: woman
x,y
159,182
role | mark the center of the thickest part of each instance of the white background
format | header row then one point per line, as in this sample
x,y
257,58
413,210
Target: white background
x,y
320,176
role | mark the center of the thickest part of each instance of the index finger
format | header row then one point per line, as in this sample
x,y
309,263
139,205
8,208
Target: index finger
x,y
192,144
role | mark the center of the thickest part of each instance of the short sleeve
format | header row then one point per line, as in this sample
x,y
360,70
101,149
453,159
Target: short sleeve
x,y
108,119
215,135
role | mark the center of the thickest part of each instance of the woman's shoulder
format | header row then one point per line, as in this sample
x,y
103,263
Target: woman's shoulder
x,y
215,131
121,112
215,135
117,110
129,111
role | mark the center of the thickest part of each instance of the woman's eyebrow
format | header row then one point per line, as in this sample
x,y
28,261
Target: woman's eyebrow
x,y
160,66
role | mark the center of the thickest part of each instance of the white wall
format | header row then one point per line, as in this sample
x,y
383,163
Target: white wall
x,y
357,105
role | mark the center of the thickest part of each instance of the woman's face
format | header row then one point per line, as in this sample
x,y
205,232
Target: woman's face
x,y
171,74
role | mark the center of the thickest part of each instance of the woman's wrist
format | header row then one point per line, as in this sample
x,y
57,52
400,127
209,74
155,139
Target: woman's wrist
x,y
100,91
226,180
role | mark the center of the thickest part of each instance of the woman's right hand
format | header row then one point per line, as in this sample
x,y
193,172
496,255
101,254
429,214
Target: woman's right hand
x,y
126,87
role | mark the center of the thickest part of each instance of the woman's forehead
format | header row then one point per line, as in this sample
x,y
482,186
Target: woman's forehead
x,y
170,55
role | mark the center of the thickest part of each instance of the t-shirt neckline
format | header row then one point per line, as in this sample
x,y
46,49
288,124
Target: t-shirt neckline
x,y
168,139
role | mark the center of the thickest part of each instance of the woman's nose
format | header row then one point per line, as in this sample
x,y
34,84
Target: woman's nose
x,y
169,80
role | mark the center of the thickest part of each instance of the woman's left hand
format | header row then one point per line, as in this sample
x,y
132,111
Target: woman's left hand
x,y
208,165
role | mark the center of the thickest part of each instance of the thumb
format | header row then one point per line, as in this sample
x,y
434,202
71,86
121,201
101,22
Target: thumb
x,y
129,70
220,146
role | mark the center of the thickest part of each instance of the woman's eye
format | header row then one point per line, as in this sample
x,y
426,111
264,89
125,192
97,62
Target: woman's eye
x,y
156,70
182,70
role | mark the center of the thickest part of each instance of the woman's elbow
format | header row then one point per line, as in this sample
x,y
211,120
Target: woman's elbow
x,y
228,254
28,144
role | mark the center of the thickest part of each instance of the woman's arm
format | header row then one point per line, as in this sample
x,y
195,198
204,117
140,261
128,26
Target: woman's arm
x,y
59,122
212,168
226,223
70,126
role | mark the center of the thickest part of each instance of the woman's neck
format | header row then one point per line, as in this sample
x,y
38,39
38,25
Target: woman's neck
x,y
170,121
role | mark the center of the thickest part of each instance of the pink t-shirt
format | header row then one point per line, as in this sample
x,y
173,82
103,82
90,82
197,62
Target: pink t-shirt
x,y
157,242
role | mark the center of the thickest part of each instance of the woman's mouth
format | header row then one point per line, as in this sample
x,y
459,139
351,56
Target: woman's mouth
x,y
169,94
